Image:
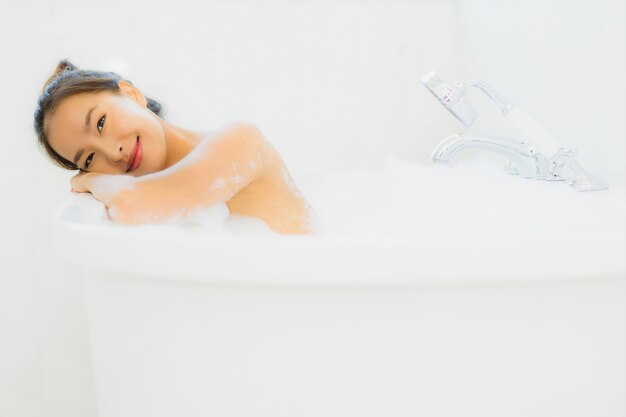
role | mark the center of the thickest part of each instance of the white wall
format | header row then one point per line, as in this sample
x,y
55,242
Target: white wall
x,y
563,62
315,77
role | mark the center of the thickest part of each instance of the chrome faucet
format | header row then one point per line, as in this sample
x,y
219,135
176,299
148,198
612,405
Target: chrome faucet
x,y
541,159
522,158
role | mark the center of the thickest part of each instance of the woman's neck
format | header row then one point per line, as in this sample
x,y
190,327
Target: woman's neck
x,y
179,142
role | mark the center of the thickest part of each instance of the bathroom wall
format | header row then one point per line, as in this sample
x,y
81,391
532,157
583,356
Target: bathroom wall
x,y
317,78
563,62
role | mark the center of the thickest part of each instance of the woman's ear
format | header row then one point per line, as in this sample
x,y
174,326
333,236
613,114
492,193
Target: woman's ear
x,y
132,92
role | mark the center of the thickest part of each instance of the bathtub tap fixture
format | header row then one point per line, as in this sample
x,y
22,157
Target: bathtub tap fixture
x,y
536,157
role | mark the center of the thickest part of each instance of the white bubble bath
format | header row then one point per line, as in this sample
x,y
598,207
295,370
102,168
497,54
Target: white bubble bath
x,y
424,290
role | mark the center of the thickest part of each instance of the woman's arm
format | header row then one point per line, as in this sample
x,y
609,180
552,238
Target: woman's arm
x,y
214,171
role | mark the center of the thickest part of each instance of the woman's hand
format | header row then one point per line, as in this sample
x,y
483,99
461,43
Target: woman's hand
x,y
78,181
104,187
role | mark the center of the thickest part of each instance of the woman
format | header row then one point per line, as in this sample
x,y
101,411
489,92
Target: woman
x,y
145,169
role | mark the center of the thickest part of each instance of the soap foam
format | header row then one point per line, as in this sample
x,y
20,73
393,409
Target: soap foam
x,y
400,198
111,184
236,179
217,184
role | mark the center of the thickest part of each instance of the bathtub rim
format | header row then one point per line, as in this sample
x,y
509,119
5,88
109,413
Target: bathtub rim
x,y
340,260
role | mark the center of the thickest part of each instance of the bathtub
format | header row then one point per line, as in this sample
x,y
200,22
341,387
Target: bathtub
x,y
428,290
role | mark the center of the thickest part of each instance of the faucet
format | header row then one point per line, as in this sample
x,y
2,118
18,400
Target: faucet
x,y
522,158
540,160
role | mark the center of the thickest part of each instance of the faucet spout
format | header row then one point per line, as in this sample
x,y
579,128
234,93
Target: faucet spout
x,y
522,157
548,161
524,160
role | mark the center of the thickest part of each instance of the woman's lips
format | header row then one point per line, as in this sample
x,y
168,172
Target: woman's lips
x,y
136,156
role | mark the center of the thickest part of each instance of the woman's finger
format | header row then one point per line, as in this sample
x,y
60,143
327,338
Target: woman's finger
x,y
76,182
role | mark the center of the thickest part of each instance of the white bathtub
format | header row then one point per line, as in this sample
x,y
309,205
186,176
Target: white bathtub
x,y
434,291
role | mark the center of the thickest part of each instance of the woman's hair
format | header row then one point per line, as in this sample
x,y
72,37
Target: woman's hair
x,y
66,81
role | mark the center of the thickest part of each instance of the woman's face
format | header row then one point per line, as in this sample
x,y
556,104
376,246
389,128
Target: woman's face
x,y
99,131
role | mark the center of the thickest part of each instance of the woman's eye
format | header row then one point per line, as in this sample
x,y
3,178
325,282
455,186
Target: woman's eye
x,y
101,123
99,126
88,160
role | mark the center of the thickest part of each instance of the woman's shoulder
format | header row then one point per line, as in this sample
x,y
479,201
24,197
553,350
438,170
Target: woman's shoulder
x,y
234,137
232,144
232,129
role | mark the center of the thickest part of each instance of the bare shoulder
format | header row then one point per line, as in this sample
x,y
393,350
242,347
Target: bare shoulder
x,y
239,143
233,131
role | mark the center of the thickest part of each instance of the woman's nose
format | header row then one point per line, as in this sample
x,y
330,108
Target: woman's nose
x,y
115,153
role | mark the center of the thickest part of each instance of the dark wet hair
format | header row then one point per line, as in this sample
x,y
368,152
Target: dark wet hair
x,y
66,81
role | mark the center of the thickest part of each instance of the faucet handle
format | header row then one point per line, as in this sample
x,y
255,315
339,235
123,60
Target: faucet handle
x,y
563,166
